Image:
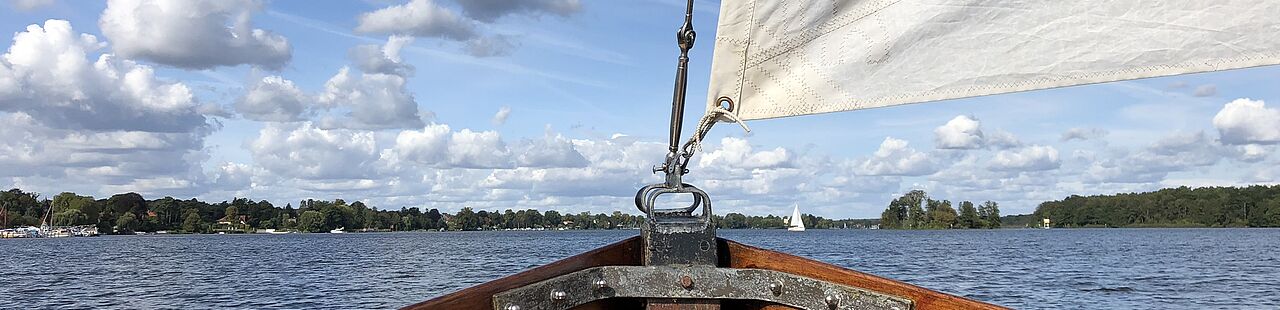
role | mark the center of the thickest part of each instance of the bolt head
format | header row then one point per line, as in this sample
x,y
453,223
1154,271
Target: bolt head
x,y
833,301
600,284
686,282
513,307
776,288
559,295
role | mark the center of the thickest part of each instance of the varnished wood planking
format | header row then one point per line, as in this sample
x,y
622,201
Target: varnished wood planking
x,y
737,255
622,253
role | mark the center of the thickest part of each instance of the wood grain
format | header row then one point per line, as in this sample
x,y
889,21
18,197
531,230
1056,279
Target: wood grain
x,y
622,253
737,255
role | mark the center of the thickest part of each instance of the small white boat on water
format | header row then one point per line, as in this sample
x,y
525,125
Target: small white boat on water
x,y
339,230
795,223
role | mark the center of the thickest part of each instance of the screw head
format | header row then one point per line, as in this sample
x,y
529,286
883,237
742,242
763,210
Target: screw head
x,y
686,282
558,295
833,302
513,307
600,284
776,288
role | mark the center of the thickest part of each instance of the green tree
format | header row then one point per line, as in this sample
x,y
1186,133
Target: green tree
x,y
192,223
941,215
69,217
127,223
311,221
990,214
969,216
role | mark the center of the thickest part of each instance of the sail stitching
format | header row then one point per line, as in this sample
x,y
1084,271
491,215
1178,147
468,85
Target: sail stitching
x,y
1100,77
822,30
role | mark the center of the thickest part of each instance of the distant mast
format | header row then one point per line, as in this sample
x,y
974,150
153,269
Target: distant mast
x,y
796,224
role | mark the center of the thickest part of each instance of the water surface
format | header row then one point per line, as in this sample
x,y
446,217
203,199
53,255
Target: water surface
x,y
1020,268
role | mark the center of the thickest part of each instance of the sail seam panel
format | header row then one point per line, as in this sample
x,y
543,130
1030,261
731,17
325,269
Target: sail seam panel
x,y
1266,58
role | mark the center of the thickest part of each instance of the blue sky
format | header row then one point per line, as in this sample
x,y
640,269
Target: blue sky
x,y
551,104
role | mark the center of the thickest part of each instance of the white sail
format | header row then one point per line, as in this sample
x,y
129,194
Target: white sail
x,y
778,58
796,222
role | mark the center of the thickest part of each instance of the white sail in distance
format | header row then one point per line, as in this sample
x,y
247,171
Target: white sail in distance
x,y
779,58
796,222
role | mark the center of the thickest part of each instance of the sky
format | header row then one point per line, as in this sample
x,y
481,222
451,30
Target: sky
x,y
547,104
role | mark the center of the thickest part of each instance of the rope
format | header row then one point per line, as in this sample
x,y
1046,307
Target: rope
x,y
719,114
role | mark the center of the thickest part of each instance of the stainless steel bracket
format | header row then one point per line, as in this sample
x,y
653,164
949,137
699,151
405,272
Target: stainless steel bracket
x,y
696,282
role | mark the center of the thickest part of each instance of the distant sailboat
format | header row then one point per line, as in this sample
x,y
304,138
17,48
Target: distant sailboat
x,y
796,222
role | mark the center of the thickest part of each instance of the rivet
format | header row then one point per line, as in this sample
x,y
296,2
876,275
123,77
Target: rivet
x,y
776,288
833,302
600,284
558,295
513,307
686,282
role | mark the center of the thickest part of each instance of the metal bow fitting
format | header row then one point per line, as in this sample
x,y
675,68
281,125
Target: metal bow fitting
x,y
677,161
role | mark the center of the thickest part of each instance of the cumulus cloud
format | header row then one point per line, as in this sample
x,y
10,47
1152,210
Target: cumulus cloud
x,y
373,101
307,152
464,24
198,34
553,150
500,118
274,99
895,158
1083,134
737,153
109,122
961,132
1031,158
1001,139
420,18
382,59
1178,151
46,74
1248,121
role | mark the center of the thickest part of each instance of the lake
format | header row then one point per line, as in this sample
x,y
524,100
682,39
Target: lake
x,y
1019,268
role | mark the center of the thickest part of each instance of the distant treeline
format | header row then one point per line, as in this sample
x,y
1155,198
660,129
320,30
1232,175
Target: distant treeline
x,y
1253,206
130,212
742,221
916,210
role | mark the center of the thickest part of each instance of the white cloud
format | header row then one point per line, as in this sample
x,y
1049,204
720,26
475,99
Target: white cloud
x,y
1001,139
429,19
482,149
1083,134
106,123
383,59
421,18
553,150
372,101
1247,121
47,75
736,153
196,34
307,152
961,132
1030,158
500,118
895,158
274,99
